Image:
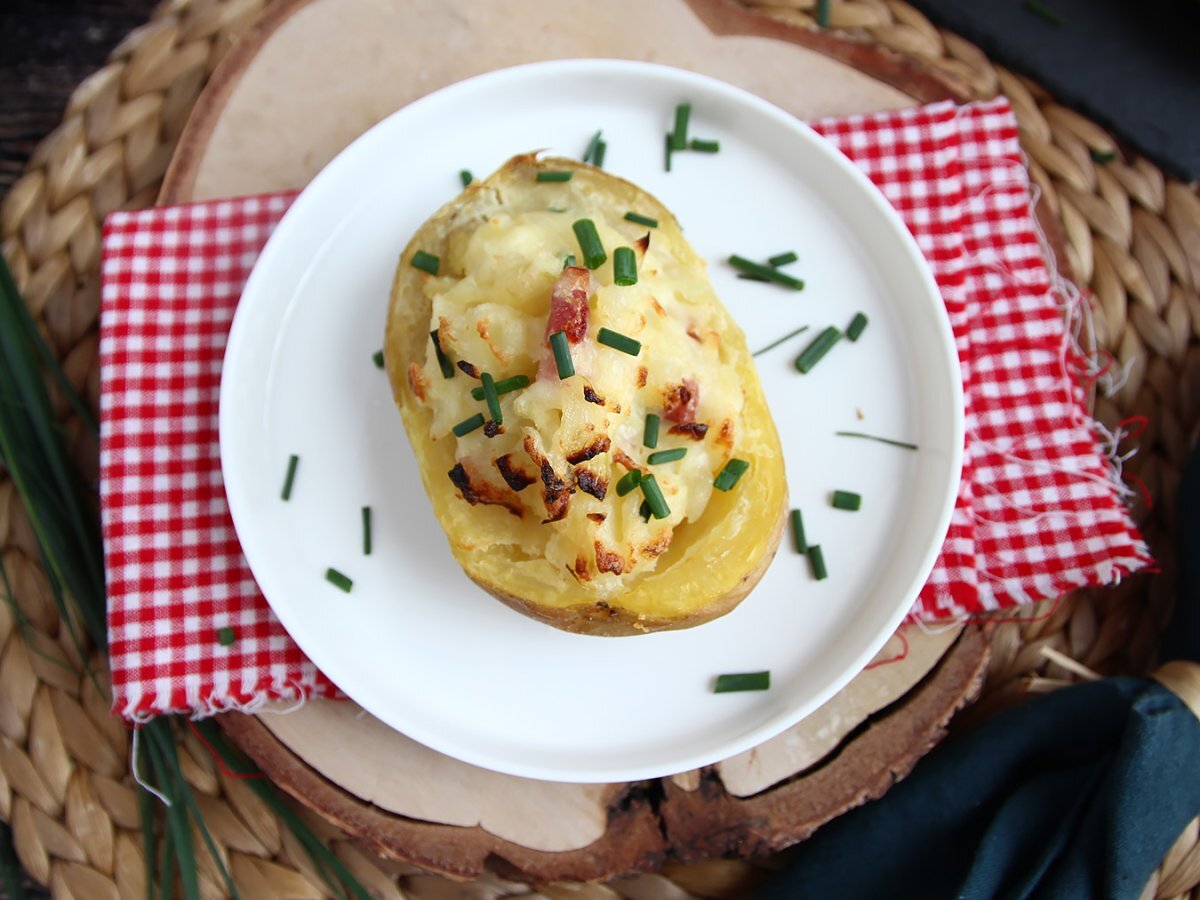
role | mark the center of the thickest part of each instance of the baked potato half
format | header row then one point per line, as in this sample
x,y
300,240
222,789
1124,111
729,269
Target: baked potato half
x,y
541,476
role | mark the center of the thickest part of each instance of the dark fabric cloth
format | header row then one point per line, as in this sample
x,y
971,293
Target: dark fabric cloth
x,y
1132,67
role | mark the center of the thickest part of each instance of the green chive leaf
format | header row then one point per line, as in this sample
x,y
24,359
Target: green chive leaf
x,y
799,541
589,243
466,426
598,156
821,344
290,478
679,138
568,260
628,482
562,355
816,560
1102,156
784,339
823,13
639,219
226,636
503,386
857,326
783,259
624,267
768,272
742,681
650,434
592,145
705,146
846,500
666,456
667,153
338,580
730,474
1045,12
492,397
378,358
426,262
874,437
443,360
366,530
555,177
618,341
466,177
654,497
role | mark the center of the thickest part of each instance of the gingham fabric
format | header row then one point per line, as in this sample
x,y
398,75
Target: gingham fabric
x,y
1039,509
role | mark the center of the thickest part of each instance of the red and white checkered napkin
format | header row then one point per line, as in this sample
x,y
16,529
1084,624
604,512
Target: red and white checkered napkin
x,y
1038,512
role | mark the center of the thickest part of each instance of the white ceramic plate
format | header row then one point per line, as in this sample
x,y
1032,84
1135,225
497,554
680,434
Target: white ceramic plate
x,y
416,643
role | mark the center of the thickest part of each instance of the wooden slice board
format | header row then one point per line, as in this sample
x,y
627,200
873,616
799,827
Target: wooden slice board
x,y
310,77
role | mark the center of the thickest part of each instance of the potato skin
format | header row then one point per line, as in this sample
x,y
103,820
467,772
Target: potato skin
x,y
703,575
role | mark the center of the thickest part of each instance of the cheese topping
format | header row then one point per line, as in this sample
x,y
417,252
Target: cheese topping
x,y
555,460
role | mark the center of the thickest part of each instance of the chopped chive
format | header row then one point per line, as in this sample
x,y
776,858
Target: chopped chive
x,y
628,482
492,397
366,530
290,478
821,344
857,326
666,456
624,267
338,580
816,559
466,177
226,636
768,272
742,681
562,355
667,153
846,500
654,497
799,541
650,434
1102,156
679,139
1045,12
443,360
747,276
466,426
705,146
644,511
618,341
598,156
378,358
553,176
823,13
589,243
784,339
503,386
730,474
874,437
568,260
592,145
783,259
639,219
426,262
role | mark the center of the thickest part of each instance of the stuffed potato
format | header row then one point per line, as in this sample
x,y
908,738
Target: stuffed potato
x,y
526,381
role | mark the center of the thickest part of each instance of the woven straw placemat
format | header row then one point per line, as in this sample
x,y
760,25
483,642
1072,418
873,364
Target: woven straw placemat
x,y
1132,235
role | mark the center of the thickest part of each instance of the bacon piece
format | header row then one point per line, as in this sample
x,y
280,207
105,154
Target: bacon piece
x,y
491,429
681,401
478,490
695,430
597,517
643,372
568,313
469,368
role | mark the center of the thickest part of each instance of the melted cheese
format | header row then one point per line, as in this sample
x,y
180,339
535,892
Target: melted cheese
x,y
578,436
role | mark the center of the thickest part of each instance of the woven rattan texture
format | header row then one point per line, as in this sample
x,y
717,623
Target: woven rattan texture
x,y
1132,235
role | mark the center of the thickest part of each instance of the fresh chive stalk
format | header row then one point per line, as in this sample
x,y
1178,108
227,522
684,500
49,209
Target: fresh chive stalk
x,y
589,243
654,497
492,396
644,511
799,541
816,560
426,262
783,259
466,426
823,13
784,339
770,273
639,219
846,500
857,326
553,177
748,276
503,386
679,137
568,260
666,456
378,359
667,153
624,267
466,177
1102,156
821,344
290,478
628,482
703,146
598,156
874,437
1041,9
650,433
730,474
562,355
443,360
592,145
742,681
366,530
226,636
618,341
339,580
